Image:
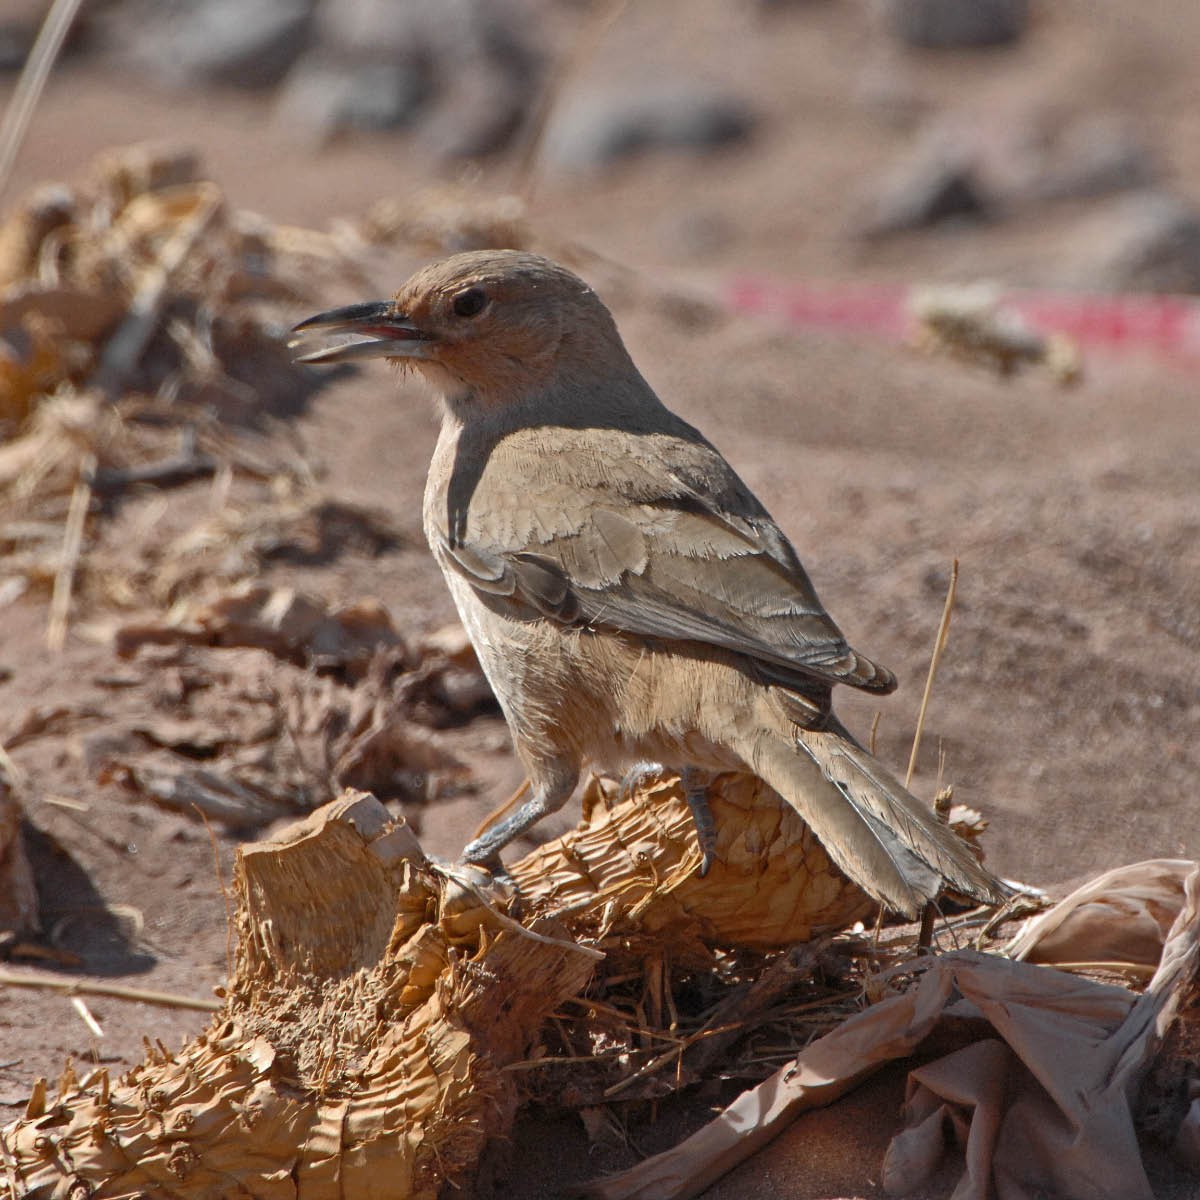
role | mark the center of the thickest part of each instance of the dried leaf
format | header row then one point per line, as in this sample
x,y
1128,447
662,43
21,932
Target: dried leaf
x,y
288,624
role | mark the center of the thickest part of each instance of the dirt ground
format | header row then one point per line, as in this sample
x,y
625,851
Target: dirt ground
x,y
1067,707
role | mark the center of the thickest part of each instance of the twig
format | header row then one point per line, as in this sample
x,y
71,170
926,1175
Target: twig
x,y
64,580
938,646
85,987
585,46
929,914
532,1064
506,922
628,1021
29,87
727,1022
724,1032
734,1013
125,347
85,1015
1024,901
941,809
183,467
66,802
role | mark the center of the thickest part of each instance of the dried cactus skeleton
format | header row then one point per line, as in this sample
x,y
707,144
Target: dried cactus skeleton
x,y
377,999
386,1016
351,1046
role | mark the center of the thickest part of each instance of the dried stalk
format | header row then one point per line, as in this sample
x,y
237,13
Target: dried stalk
x,y
125,347
116,991
925,937
939,645
64,579
29,87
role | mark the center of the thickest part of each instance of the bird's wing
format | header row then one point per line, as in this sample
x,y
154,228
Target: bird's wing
x,y
675,554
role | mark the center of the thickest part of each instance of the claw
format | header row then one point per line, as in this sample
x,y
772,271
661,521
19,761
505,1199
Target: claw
x,y
499,873
638,776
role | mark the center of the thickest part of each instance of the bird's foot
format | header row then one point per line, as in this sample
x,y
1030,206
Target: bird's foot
x,y
638,776
505,883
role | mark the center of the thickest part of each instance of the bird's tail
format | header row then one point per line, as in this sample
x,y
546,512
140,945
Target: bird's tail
x,y
885,839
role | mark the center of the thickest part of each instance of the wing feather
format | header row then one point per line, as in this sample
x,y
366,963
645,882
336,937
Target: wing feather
x,y
603,534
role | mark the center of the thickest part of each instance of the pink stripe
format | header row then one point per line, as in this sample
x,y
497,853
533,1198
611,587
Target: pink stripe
x,y
1169,324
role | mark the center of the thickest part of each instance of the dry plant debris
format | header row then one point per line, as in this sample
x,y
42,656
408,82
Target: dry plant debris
x,y
399,1008
266,701
772,884
1043,1106
448,219
291,625
362,1052
235,543
140,344
969,324
387,1016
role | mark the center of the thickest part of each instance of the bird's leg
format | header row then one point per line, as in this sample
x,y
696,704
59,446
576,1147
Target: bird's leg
x,y
695,790
550,792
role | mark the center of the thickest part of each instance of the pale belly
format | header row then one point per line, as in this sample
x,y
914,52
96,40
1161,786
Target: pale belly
x,y
571,695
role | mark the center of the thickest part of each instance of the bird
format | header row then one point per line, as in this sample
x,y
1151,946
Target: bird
x,y
629,598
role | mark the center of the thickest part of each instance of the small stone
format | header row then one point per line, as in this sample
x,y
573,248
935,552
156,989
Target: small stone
x,y
1149,242
246,43
949,24
1093,157
598,128
323,97
479,67
16,40
936,182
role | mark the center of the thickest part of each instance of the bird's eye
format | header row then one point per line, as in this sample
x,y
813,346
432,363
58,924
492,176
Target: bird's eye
x,y
469,303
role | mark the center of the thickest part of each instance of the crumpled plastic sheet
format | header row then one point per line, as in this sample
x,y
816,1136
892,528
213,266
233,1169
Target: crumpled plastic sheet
x,y
1122,916
1043,1106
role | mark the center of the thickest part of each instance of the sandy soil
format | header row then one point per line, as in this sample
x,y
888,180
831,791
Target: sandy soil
x,y
1067,705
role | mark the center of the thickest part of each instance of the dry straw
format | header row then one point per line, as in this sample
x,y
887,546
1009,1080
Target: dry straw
x,y
28,91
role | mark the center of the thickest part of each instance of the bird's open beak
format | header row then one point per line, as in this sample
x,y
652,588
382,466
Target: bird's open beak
x,y
372,330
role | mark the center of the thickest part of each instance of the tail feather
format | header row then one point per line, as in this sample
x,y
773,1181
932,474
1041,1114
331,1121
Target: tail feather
x,y
877,832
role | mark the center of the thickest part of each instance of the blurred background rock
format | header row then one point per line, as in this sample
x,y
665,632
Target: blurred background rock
x,y
860,121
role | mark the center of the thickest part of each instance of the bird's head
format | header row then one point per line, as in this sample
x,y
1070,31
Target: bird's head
x,y
488,328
